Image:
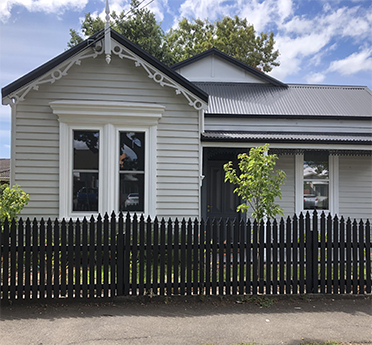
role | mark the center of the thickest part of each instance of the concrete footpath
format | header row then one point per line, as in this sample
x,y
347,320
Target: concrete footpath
x,y
189,320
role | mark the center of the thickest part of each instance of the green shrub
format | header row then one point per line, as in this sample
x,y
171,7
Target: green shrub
x,y
12,201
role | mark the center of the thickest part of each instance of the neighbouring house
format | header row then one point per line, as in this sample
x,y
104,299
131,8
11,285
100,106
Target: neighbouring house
x,y
106,127
4,171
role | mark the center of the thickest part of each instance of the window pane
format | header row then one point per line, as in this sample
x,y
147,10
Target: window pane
x,y
316,195
316,165
86,150
131,192
132,151
85,192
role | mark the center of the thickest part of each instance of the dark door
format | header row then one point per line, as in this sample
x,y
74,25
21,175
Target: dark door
x,y
221,201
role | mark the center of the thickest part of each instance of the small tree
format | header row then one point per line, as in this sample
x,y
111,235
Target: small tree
x,y
257,184
12,201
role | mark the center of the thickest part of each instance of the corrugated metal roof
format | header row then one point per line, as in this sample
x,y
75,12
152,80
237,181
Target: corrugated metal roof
x,y
256,99
287,137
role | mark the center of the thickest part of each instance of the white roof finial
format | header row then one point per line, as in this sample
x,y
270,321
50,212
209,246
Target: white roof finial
x,y
107,34
107,10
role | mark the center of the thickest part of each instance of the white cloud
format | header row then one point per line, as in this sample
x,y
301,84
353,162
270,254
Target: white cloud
x,y
315,78
354,63
307,41
48,6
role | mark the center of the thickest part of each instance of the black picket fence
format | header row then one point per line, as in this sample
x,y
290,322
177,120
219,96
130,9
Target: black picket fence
x,y
120,256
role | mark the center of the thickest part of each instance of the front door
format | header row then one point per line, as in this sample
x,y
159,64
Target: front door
x,y
221,201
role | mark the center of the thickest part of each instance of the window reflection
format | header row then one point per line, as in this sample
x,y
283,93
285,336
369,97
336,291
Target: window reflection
x,y
316,180
85,191
85,171
131,174
132,151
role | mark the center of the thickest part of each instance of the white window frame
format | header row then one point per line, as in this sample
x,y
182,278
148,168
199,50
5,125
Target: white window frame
x,y
333,184
110,118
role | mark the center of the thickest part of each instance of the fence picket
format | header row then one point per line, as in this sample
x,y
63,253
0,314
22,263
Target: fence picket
x,y
295,254
361,257
84,260
105,255
92,257
214,256
355,257
275,257
281,257
20,253
49,255
148,257
329,254
322,253
28,259
156,256
268,257
195,264
261,262
141,259
126,255
56,262
183,258
242,254
170,255
71,263
201,257
368,256
255,261
221,254
288,275
335,254
342,255
99,257
208,236
42,259
162,257
189,257
63,258
348,255
235,244
228,257
176,256
134,255
249,260
302,252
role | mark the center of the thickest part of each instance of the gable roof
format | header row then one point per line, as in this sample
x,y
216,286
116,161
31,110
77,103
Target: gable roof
x,y
228,58
295,100
40,71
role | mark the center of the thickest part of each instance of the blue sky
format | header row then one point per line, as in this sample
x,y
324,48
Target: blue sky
x,y
320,41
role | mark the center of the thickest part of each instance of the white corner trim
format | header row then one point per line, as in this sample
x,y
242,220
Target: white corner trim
x,y
299,198
335,185
100,112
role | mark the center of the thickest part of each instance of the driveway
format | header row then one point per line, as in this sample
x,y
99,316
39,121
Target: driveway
x,y
189,320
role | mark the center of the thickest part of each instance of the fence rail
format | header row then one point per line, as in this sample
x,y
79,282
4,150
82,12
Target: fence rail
x,y
117,255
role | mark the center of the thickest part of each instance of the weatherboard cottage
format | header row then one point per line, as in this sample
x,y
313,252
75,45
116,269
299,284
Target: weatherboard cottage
x,y
106,127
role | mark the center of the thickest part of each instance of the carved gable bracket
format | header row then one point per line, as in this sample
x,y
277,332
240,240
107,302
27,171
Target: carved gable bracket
x,y
62,70
158,77
53,75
